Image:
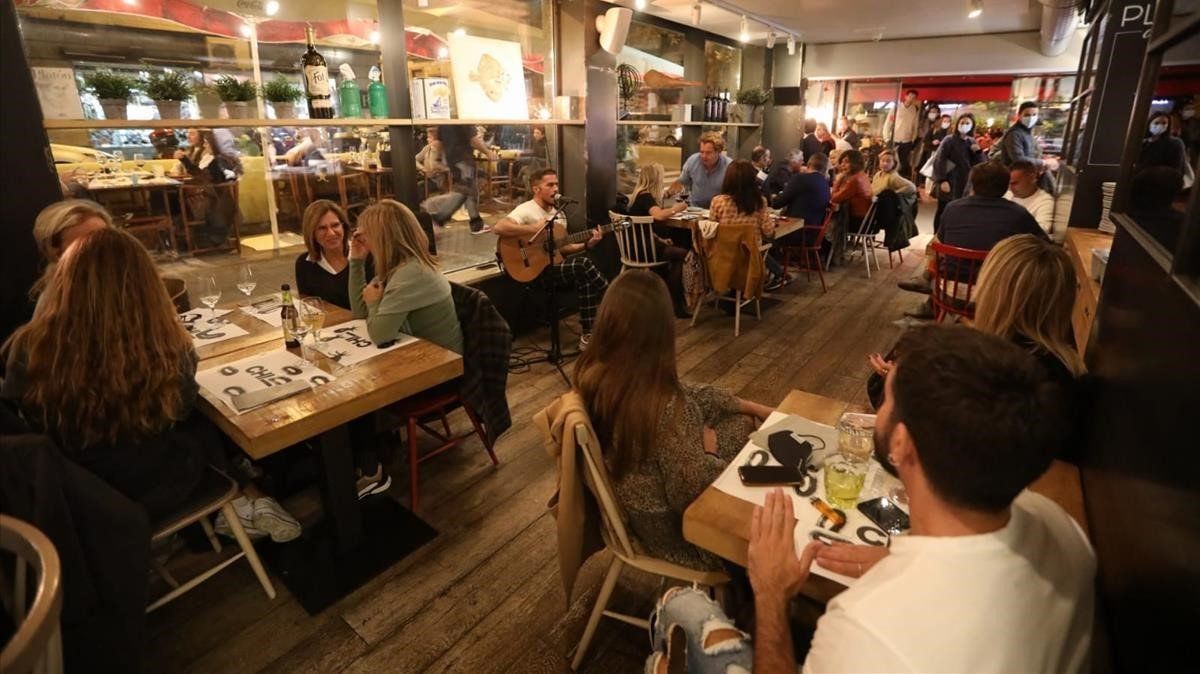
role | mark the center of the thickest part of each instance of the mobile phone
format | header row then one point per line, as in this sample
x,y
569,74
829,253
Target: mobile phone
x,y
759,476
885,514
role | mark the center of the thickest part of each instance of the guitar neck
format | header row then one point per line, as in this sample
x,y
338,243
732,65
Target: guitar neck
x,y
582,237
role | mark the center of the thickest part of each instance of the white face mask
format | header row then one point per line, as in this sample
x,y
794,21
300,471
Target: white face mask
x,y
945,125
964,128
1029,121
1156,129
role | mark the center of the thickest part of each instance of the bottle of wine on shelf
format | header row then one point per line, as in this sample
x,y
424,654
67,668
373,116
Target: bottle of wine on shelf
x,y
316,80
291,319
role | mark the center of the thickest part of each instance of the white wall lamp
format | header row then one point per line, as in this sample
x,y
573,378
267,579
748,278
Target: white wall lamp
x,y
974,9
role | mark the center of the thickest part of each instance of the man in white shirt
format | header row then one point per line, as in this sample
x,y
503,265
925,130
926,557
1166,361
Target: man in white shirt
x,y
1023,189
991,578
905,124
528,219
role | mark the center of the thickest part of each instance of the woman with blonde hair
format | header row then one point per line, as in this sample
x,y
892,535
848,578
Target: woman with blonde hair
x,y
644,201
323,270
59,225
664,441
888,178
408,294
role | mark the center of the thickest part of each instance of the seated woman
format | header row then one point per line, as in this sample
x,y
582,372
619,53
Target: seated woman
x,y
209,167
114,399
741,204
852,188
58,226
887,178
644,202
407,294
664,441
324,270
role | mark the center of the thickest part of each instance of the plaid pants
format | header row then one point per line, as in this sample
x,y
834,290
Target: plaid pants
x,y
589,284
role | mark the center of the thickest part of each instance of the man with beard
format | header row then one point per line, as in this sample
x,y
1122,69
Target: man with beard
x,y
991,578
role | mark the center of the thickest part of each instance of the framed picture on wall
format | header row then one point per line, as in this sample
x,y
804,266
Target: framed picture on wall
x,y
489,79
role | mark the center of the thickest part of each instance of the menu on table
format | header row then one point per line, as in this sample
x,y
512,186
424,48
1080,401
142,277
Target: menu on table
x,y
257,372
349,343
209,326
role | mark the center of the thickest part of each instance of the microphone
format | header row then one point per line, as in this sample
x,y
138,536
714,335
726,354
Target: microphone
x,y
562,201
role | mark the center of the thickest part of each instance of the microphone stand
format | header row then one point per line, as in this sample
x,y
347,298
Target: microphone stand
x,y
554,355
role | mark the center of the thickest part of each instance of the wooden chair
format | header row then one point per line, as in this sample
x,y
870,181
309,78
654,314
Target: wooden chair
x,y
618,542
192,219
177,289
354,191
215,493
810,253
955,271
154,225
739,299
37,644
446,178
636,242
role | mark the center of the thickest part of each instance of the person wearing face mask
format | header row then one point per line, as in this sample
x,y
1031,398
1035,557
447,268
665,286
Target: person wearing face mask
x,y
952,166
1160,148
1018,143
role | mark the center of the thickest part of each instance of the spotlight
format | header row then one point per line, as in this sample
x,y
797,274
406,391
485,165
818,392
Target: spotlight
x,y
245,30
696,14
974,9
744,35
771,40
443,53
423,4
271,8
791,45
375,36
459,32
639,5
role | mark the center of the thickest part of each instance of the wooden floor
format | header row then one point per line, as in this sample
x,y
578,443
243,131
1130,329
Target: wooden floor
x,y
485,595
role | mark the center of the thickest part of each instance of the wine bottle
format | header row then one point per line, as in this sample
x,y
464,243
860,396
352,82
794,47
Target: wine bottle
x,y
316,80
290,319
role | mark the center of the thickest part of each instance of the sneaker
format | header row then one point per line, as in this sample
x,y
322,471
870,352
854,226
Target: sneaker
x,y
270,517
479,227
374,484
915,286
245,512
774,283
584,340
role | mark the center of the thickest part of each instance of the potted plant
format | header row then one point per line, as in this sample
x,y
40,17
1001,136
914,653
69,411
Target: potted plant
x,y
282,94
208,102
169,90
753,98
113,90
236,94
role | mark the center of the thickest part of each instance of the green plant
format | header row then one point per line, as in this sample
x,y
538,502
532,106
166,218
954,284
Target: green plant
x,y
106,84
754,97
169,86
230,88
281,90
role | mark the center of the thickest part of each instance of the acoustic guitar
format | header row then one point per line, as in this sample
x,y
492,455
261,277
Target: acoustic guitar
x,y
524,260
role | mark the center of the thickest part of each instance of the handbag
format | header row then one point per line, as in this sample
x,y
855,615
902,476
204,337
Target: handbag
x,y
927,169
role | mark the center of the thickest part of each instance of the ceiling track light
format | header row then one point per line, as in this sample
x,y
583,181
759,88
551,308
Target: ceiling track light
x,y
696,14
744,34
771,40
791,45
974,9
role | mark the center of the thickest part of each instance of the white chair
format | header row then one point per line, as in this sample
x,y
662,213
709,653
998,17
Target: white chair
x,y
865,239
636,242
617,541
37,644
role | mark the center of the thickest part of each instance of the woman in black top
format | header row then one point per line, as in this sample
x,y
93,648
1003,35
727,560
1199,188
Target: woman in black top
x,y
644,202
324,270
208,166
1160,148
961,149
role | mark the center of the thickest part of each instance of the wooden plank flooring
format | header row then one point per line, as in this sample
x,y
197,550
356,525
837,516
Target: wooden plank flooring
x,y
485,595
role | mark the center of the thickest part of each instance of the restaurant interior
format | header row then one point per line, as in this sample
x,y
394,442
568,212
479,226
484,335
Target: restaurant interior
x,y
355,484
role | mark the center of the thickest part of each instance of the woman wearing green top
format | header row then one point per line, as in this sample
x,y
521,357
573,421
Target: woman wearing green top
x,y
408,294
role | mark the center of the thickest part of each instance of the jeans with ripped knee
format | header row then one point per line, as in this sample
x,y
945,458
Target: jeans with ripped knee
x,y
713,644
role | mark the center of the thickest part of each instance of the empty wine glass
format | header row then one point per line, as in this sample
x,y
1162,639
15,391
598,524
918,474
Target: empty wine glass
x,y
211,294
118,157
139,160
312,315
245,280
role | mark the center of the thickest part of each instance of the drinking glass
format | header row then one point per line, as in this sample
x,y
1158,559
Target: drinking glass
x,y
118,157
245,280
844,477
312,315
139,160
211,294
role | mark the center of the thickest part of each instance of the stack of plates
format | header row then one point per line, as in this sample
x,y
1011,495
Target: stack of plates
x,y
1107,189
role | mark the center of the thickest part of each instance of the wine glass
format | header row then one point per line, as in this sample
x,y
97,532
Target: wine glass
x,y
139,160
118,158
210,295
245,280
312,315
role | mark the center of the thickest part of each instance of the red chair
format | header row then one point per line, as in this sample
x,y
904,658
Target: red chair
x,y
955,271
810,254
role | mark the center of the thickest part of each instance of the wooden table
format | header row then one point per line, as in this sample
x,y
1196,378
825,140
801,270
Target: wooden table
x,y
720,522
101,185
1079,243
337,555
376,175
259,331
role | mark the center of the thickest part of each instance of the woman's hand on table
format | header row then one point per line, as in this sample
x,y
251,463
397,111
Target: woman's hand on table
x,y
850,560
878,364
372,292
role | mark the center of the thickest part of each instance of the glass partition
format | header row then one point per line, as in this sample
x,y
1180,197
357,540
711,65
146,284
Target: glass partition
x,y
650,79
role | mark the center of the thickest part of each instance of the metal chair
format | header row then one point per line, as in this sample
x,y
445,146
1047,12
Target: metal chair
x,y
865,237
636,242
37,644
619,543
955,271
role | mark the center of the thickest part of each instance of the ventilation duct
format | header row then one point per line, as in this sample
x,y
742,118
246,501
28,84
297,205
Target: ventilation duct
x,y
1059,18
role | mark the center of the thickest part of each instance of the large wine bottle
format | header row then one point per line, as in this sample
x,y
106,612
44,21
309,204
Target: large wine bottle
x,y
316,80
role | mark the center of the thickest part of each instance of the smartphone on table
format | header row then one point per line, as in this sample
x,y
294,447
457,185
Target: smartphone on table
x,y
770,476
885,514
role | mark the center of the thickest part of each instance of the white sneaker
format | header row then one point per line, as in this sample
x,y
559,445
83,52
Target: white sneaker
x,y
270,517
374,484
584,340
245,512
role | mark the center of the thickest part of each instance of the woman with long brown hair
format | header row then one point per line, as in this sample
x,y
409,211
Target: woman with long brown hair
x,y
408,293
664,441
741,204
209,166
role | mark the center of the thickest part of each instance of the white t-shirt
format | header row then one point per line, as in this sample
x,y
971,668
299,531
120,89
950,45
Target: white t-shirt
x,y
530,213
1016,600
1041,206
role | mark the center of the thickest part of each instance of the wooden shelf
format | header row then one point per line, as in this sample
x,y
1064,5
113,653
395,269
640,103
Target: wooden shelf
x,y
56,124
667,122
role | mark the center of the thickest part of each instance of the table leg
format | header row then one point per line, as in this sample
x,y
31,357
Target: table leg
x,y
170,221
338,491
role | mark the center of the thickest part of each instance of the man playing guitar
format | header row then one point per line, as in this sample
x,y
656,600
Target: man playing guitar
x,y
528,219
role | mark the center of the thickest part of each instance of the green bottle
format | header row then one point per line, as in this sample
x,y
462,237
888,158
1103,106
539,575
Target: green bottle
x,y
377,94
349,95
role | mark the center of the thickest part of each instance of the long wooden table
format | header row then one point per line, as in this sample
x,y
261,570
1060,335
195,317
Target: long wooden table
x,y
337,555
720,522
